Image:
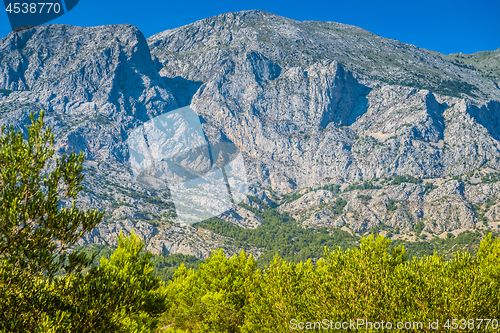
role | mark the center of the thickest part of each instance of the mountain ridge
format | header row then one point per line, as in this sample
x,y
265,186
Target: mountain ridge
x,y
321,111
398,55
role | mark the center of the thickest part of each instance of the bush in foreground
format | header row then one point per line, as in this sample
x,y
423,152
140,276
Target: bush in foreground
x,y
367,283
42,287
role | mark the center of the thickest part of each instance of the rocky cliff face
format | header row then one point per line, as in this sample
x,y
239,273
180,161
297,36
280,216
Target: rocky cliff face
x,y
197,51
86,79
309,105
319,122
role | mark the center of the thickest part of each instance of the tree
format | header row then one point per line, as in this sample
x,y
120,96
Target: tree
x,y
42,287
140,290
214,298
122,295
34,232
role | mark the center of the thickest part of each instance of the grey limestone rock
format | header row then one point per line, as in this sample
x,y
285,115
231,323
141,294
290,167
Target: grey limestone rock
x,y
308,104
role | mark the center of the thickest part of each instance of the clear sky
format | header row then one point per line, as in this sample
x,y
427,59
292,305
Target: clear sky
x,y
444,26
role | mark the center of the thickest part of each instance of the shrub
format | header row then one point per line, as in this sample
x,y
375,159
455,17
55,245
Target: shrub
x,y
372,282
405,179
42,287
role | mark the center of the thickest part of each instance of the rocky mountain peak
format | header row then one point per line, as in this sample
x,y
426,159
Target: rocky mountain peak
x,y
291,43
107,68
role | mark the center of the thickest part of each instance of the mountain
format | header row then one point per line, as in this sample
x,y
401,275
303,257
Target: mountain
x,y
196,52
336,126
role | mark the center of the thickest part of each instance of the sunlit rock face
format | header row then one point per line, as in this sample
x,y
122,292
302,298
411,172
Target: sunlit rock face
x,y
183,126
204,179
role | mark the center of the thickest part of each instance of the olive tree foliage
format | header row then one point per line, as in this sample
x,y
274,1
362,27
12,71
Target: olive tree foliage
x,y
42,287
373,282
34,232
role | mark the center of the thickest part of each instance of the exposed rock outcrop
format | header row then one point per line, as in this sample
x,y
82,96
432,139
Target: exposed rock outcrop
x,y
308,104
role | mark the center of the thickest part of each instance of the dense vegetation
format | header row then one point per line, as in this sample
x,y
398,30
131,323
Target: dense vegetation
x,y
42,287
280,233
468,241
164,265
399,179
454,88
370,283
367,185
5,92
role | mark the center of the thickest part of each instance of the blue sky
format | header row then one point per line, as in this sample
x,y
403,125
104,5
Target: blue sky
x,y
444,26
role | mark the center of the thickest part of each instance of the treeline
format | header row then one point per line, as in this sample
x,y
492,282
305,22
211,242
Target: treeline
x,y
280,234
164,265
374,282
371,283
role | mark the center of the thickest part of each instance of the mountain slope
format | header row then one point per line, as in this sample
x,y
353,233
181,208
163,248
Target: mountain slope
x,y
332,121
197,50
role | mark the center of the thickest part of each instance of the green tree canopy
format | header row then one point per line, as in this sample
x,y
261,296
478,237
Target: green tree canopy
x,y
34,231
42,287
